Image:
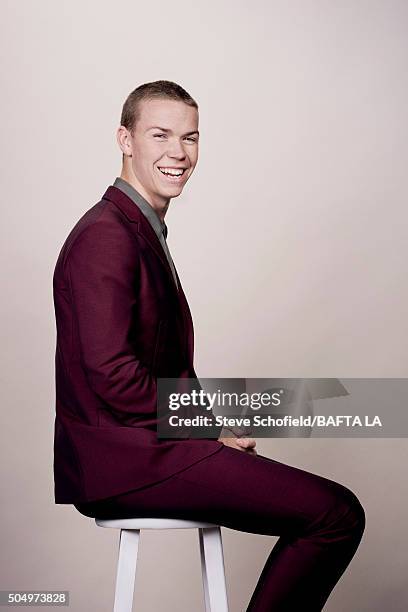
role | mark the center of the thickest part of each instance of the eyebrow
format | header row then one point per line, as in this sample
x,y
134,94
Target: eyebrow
x,y
156,127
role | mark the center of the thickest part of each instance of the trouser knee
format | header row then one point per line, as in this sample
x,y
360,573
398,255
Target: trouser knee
x,y
349,513
339,514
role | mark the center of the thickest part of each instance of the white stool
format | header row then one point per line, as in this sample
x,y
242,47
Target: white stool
x,y
212,559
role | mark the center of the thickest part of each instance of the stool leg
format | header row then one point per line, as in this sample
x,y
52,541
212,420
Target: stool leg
x,y
213,571
125,576
204,572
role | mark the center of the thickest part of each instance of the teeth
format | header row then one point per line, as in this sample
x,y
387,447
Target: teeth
x,y
172,171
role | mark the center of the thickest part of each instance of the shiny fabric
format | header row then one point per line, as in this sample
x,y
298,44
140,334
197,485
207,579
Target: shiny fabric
x,y
319,522
121,324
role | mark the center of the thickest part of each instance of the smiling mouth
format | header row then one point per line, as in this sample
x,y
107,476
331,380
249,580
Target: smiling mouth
x,y
172,175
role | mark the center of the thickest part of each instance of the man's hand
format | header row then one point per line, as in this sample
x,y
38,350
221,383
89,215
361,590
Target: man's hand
x,y
244,444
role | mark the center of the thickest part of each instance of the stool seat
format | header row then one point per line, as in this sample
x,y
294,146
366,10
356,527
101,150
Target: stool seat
x,y
211,554
152,523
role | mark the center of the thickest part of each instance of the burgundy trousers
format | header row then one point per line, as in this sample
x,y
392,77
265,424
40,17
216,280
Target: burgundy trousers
x,y
320,522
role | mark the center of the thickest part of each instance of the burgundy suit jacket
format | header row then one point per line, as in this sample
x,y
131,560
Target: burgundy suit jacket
x,y
121,323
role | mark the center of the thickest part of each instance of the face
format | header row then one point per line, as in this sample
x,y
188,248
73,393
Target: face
x,y
163,148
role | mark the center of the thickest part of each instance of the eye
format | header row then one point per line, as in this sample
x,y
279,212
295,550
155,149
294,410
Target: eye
x,y
159,135
191,139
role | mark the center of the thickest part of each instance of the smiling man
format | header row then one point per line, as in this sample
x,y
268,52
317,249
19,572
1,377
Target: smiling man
x,y
158,160
122,317
123,322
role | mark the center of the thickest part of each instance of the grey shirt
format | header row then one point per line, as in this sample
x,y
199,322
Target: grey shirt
x,y
159,226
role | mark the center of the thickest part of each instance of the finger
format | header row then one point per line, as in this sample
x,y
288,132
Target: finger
x,y
246,442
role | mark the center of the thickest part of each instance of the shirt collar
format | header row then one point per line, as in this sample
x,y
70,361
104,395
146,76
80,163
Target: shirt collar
x,y
148,210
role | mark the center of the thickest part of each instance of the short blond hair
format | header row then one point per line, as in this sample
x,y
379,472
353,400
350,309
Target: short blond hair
x,y
149,91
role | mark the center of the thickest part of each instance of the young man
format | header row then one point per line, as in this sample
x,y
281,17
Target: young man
x,y
122,316
122,322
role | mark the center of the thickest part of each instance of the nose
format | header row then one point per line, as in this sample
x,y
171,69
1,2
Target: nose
x,y
176,149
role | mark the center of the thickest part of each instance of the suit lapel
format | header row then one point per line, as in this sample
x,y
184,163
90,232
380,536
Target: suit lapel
x,y
141,226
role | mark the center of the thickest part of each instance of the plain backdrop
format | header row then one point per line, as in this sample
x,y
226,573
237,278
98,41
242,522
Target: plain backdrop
x,y
290,239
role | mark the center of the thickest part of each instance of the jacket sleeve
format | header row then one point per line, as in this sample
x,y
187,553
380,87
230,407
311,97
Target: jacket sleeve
x,y
102,265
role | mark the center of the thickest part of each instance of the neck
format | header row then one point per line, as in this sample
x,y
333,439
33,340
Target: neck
x,y
160,205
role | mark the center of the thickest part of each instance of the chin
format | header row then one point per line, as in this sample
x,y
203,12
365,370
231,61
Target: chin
x,y
172,192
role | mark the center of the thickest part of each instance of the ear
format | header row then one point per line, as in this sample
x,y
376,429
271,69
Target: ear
x,y
124,141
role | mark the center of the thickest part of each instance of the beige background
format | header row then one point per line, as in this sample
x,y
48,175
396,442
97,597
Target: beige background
x,y
290,240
